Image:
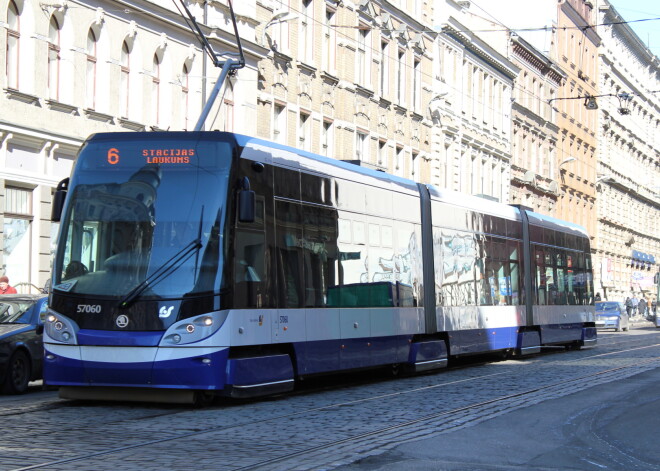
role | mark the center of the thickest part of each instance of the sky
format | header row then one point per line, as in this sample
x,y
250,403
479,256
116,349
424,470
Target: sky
x,y
648,31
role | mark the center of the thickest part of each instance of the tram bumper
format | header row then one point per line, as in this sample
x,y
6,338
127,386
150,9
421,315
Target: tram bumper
x,y
200,368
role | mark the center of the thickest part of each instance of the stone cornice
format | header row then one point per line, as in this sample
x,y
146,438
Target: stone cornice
x,y
473,43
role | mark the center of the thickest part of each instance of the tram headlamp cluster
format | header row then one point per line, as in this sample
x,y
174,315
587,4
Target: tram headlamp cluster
x,y
191,330
60,329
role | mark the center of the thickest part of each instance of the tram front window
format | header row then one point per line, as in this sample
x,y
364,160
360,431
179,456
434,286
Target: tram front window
x,y
123,227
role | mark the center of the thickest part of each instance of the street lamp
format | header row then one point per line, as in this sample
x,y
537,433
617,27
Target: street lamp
x,y
567,160
279,17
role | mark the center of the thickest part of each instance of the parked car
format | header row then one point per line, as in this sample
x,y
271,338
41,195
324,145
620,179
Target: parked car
x,y
611,315
21,340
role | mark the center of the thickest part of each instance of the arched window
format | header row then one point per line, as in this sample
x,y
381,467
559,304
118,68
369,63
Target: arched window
x,y
54,58
155,90
13,39
185,84
124,81
90,99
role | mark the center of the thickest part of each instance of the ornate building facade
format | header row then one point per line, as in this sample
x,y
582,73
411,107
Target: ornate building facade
x,y
534,172
470,108
627,248
74,68
576,51
349,80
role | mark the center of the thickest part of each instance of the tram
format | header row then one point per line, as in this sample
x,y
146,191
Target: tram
x,y
193,264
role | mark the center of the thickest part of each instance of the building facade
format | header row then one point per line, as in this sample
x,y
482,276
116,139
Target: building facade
x,y
74,68
349,80
576,51
627,245
470,108
534,172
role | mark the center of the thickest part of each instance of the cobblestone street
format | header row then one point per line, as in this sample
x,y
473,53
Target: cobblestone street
x,y
320,427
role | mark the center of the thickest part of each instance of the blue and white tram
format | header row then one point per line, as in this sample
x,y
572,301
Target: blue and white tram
x,y
213,263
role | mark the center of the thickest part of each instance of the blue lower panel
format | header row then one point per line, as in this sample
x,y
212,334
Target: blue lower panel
x,y
345,354
427,352
464,342
118,374
60,371
259,370
317,357
560,333
201,372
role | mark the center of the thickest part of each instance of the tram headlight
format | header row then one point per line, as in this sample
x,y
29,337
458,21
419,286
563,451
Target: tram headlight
x,y
59,328
193,329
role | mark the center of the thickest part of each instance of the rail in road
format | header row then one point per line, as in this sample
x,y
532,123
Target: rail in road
x,y
318,428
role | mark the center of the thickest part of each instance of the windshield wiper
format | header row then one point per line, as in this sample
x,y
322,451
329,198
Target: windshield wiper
x,y
165,270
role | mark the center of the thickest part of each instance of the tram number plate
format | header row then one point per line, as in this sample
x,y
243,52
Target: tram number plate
x,y
89,308
284,319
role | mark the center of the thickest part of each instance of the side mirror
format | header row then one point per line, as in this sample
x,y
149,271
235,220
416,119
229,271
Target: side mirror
x,y
40,329
246,203
58,200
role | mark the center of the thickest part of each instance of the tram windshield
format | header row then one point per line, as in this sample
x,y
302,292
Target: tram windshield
x,y
144,219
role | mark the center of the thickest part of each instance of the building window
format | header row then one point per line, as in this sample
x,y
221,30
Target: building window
x,y
228,105
90,97
124,93
383,68
363,56
382,153
401,76
54,59
399,163
185,105
155,89
17,235
417,85
362,146
327,138
279,123
329,41
304,134
306,38
416,167
13,41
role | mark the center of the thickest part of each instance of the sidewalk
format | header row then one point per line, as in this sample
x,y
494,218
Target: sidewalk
x,y
641,321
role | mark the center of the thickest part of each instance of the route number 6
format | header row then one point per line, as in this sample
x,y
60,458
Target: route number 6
x,y
113,156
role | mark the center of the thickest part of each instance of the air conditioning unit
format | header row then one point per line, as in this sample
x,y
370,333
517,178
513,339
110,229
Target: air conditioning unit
x,y
529,177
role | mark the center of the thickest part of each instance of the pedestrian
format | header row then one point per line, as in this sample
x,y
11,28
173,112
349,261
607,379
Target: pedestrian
x,y
629,306
4,286
598,298
641,306
635,302
654,306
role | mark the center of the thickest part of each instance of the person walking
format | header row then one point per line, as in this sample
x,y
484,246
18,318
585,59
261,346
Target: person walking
x,y
635,303
641,306
629,306
4,286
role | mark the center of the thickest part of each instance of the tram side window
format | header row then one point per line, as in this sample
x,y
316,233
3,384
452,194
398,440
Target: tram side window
x,y
319,253
541,280
288,254
459,257
496,288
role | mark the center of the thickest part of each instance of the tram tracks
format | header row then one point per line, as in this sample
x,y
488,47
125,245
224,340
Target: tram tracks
x,y
437,422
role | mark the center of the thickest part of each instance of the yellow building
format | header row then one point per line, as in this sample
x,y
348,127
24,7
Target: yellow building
x,y
576,51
